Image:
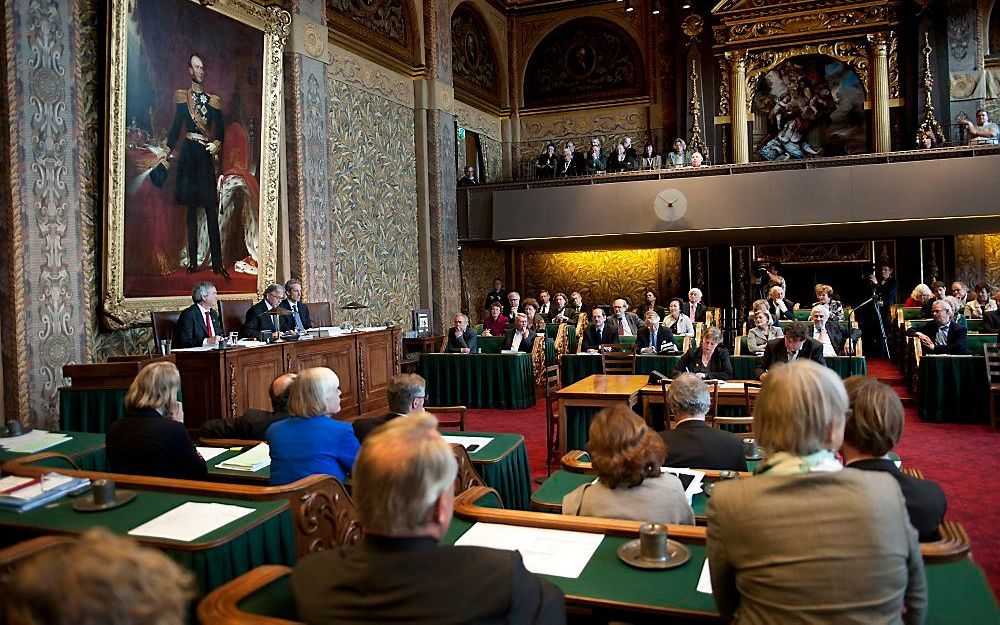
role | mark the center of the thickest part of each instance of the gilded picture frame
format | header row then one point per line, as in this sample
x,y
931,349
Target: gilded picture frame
x,y
192,126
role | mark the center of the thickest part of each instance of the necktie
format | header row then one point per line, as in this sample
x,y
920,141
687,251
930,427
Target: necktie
x,y
621,327
692,312
208,324
792,356
298,319
942,336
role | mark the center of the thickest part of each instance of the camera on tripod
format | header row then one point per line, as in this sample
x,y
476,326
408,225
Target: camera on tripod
x,y
761,269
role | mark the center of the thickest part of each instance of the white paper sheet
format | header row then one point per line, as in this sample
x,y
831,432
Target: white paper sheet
x,y
550,552
694,487
465,441
738,385
33,441
705,580
207,453
190,521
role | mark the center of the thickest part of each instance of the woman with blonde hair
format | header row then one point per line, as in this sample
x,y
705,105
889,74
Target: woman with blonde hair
x,y
311,441
627,456
921,293
150,438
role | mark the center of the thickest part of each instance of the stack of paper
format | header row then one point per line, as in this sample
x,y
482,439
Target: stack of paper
x,y
21,494
252,460
190,521
33,442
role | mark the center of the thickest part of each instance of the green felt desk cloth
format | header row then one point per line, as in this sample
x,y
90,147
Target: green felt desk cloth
x,y
85,449
953,389
270,542
503,465
218,474
562,482
90,410
496,381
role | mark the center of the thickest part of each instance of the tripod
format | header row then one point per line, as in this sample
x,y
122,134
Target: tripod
x,y
876,302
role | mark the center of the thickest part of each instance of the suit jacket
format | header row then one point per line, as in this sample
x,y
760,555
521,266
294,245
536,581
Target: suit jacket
x,y
777,315
413,580
251,426
699,311
256,321
720,367
646,339
820,547
958,338
775,352
191,330
509,312
836,335
364,427
144,442
925,310
593,340
303,314
991,321
569,312
694,444
468,339
631,318
526,343
495,296
925,500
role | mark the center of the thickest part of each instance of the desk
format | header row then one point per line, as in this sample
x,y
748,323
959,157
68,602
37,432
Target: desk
x,y
953,389
731,393
579,402
265,536
497,381
261,477
503,465
90,409
85,449
422,344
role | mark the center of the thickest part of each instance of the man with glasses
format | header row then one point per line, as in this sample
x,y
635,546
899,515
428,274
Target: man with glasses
x,y
406,392
796,345
942,336
258,318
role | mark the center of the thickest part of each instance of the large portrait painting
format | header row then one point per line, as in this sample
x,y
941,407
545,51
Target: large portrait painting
x,y
812,105
194,109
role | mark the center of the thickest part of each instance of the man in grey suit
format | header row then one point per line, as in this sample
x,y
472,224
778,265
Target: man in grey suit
x,y
627,323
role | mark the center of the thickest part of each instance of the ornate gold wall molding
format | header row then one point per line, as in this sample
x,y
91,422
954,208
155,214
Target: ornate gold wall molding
x,y
600,276
559,125
310,38
991,259
762,23
477,121
360,73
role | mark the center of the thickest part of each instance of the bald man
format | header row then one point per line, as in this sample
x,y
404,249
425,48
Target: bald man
x,y
254,423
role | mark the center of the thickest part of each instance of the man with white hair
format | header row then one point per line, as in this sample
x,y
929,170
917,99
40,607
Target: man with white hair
x,y
827,331
942,335
199,324
654,338
519,337
461,338
692,443
695,309
258,318
404,488
626,323
779,307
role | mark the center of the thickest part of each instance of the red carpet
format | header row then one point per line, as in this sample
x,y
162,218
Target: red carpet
x,y
953,455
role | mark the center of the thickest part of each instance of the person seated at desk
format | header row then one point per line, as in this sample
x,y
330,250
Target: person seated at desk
x,y
796,345
762,332
293,302
873,428
545,305
519,338
678,156
595,162
826,331
692,443
513,305
97,578
694,308
920,295
653,338
257,320
563,312
627,323
567,165
199,324
779,307
758,305
707,361
942,335
598,333
824,296
679,323
627,456
150,438
981,304
805,540
311,441
403,485
939,290
496,323
620,161
650,304
254,423
577,300
406,393
535,319
960,292
461,338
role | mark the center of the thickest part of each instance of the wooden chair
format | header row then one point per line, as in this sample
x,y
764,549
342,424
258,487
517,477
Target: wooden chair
x,y
750,390
320,314
163,325
16,554
618,359
234,313
458,421
713,410
553,382
467,476
992,353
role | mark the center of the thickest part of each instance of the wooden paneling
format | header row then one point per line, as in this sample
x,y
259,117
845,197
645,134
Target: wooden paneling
x,y
338,354
376,367
249,373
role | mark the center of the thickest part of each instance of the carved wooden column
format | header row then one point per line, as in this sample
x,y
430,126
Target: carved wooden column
x,y
738,106
880,92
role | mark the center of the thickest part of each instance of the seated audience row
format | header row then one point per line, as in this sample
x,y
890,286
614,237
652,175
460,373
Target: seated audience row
x,y
553,163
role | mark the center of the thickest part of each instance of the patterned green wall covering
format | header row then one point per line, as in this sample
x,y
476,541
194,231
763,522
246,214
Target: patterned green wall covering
x,y
373,203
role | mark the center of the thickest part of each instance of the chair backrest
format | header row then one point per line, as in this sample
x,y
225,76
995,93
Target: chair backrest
x,y
458,420
618,358
713,390
320,314
750,390
163,325
467,476
234,312
992,353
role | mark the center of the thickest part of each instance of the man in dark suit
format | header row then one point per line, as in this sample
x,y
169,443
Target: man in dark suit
x,y
653,337
827,331
795,345
938,289
258,321
293,302
693,443
872,429
598,332
545,305
498,294
942,336
694,308
577,300
779,307
513,305
519,337
199,324
254,423
400,573
406,393
461,338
